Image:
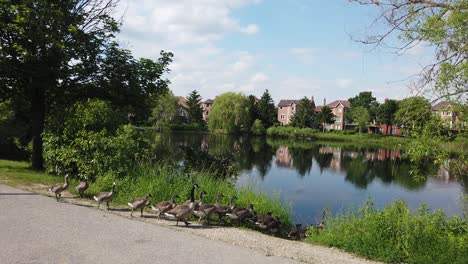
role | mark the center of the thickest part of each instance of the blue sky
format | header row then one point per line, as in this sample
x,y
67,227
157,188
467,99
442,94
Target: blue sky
x,y
293,48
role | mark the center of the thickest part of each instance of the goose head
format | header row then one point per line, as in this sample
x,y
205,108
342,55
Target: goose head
x,y
195,186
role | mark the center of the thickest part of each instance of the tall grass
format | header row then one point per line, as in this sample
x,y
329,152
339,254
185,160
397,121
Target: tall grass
x,y
163,180
395,235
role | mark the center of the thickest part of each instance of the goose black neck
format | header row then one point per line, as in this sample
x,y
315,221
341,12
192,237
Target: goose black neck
x,y
192,194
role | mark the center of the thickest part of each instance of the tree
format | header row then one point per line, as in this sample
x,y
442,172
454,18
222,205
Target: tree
x,y
258,128
439,24
43,42
165,110
366,100
252,109
305,113
230,113
56,52
361,117
326,116
413,113
194,110
386,113
267,112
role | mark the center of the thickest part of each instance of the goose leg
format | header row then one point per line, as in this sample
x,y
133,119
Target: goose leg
x,y
98,204
177,223
56,197
141,214
107,203
131,214
186,223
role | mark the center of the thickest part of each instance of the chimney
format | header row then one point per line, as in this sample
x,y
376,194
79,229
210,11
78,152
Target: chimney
x,y
324,101
312,99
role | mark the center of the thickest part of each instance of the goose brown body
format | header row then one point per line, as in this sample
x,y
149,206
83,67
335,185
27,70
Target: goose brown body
x,y
82,187
139,204
165,206
104,197
57,189
183,212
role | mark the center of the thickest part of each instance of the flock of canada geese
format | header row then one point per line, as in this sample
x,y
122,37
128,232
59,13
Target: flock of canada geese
x,y
183,212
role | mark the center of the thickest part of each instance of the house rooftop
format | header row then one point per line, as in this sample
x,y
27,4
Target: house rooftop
x,y
441,106
208,101
287,102
182,101
345,103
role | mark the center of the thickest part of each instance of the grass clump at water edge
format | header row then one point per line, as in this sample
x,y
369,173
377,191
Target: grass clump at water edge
x,y
162,181
395,235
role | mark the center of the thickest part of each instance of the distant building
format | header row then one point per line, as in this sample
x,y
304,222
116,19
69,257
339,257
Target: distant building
x,y
287,109
338,108
182,107
446,112
207,105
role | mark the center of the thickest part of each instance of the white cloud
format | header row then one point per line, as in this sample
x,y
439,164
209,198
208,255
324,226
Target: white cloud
x,y
305,55
343,82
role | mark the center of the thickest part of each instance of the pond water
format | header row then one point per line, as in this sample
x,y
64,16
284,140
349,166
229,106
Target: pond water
x,y
310,176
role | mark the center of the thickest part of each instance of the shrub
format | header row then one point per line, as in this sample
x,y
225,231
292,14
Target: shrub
x,y
292,132
395,235
92,141
257,128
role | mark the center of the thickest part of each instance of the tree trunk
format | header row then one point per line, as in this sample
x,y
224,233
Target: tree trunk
x,y
37,120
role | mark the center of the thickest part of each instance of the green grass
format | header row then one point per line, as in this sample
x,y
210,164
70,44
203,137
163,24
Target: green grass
x,y
18,173
160,180
395,235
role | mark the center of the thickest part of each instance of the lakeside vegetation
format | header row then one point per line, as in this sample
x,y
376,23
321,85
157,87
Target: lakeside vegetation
x,y
396,235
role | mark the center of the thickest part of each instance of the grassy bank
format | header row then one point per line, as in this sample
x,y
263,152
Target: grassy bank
x,y
161,180
395,235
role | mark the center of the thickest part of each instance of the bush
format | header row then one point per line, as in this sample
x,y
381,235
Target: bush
x,y
292,132
258,128
395,235
187,127
92,141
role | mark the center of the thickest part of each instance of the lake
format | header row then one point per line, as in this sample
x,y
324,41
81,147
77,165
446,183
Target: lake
x,y
310,176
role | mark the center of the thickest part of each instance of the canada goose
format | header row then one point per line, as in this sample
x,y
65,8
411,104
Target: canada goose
x,y
205,210
298,232
183,212
222,210
240,214
165,206
104,197
268,222
59,188
322,222
82,187
196,202
140,203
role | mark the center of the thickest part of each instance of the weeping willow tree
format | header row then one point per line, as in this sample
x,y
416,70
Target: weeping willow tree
x,y
230,114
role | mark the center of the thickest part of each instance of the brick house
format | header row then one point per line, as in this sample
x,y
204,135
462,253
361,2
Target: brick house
x,y
182,107
286,110
445,111
207,106
338,108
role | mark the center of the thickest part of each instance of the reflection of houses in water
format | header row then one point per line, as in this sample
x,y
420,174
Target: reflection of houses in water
x,y
283,157
338,154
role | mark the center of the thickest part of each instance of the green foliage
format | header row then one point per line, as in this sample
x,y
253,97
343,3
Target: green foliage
x,y
291,132
365,100
258,128
395,235
92,142
386,112
267,112
164,112
230,114
164,180
194,110
181,126
361,117
305,114
413,113
326,116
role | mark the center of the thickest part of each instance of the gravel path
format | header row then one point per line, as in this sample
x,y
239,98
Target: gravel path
x,y
37,229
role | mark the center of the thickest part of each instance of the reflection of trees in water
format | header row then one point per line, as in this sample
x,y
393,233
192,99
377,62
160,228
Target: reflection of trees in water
x,y
303,159
255,152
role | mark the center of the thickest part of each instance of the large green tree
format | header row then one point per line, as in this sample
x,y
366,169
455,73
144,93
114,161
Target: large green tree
x,y
439,24
413,113
267,112
305,113
43,43
366,100
194,110
230,113
164,111
325,116
386,113
361,117
56,52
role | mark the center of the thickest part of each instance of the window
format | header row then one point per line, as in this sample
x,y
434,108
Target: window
x,y
282,117
340,110
449,113
338,127
337,118
292,107
281,107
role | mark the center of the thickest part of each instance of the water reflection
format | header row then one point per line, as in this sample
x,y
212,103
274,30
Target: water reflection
x,y
311,176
